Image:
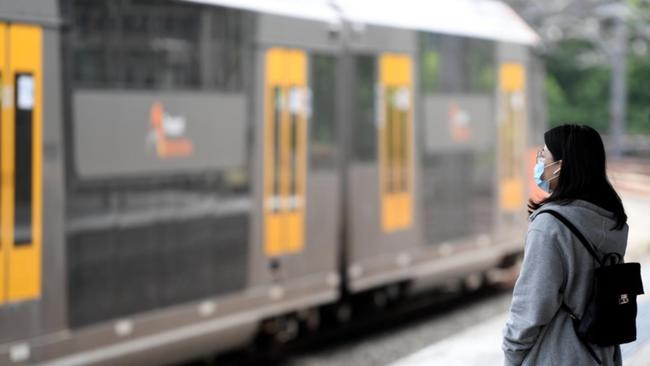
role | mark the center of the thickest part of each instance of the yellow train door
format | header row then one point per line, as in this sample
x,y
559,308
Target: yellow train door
x,y
285,150
20,162
512,136
395,141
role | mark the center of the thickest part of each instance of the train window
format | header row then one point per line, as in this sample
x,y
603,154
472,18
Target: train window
x,y
148,44
278,97
323,119
482,66
293,154
429,63
23,158
452,64
364,130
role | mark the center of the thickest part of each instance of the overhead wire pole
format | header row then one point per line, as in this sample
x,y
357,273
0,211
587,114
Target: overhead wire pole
x,y
618,86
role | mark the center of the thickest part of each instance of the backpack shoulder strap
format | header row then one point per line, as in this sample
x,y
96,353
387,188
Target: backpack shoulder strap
x,y
591,251
575,232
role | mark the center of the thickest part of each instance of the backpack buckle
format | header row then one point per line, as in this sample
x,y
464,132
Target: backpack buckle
x,y
623,299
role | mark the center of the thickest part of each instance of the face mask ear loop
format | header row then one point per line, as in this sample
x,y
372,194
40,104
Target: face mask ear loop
x,y
558,169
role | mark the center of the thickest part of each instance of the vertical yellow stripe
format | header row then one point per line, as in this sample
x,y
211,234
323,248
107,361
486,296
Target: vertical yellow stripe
x,y
512,84
284,228
25,261
4,208
272,220
395,136
297,68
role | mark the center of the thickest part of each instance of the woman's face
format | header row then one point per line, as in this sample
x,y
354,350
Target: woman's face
x,y
551,167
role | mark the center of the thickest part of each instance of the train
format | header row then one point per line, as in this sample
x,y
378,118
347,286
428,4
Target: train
x,y
181,175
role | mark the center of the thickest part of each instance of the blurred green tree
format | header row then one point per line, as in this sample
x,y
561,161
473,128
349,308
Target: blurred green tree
x,y
575,92
578,93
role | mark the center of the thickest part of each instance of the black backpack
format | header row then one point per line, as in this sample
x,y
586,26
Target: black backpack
x,y
610,316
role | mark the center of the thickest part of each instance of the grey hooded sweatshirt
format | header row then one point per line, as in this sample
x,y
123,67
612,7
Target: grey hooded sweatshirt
x,y
556,269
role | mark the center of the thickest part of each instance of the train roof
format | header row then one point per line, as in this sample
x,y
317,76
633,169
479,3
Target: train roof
x,y
489,19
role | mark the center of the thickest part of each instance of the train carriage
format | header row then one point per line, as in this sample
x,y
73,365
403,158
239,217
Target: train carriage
x,y
179,174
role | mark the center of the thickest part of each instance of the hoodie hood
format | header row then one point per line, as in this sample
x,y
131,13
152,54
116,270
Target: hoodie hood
x,y
593,221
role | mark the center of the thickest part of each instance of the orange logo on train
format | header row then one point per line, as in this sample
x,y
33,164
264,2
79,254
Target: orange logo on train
x,y
459,123
168,133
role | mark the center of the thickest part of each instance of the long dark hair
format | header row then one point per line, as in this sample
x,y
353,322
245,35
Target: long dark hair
x,y
583,174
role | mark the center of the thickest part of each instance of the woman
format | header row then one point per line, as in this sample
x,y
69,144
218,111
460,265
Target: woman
x,y
557,269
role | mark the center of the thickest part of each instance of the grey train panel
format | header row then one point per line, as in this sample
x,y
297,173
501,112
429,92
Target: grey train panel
x,y
30,11
53,264
321,223
315,36
114,135
364,211
512,52
458,122
258,263
458,195
371,38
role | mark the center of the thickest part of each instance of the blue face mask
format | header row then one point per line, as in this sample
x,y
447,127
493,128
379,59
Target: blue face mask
x,y
545,185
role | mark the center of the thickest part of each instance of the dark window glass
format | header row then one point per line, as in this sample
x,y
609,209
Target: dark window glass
x,y
481,64
148,44
364,130
452,64
323,118
23,159
293,153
